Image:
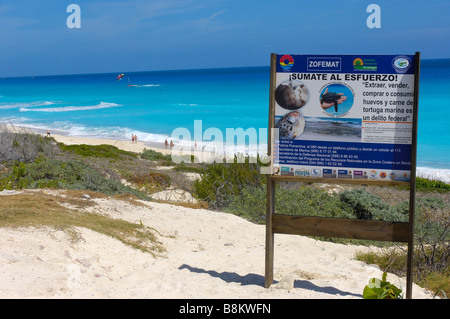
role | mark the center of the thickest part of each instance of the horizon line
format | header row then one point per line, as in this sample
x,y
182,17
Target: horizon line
x,y
119,72
166,70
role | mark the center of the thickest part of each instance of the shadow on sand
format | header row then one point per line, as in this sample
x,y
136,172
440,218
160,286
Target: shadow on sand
x,y
258,280
229,277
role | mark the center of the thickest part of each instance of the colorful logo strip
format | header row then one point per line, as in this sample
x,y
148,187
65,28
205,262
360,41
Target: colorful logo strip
x,y
286,62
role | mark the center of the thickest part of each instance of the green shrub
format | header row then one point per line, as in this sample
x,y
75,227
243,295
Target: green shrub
x,y
58,174
310,201
381,289
151,181
422,205
104,150
365,205
250,203
189,169
221,180
16,144
152,155
423,183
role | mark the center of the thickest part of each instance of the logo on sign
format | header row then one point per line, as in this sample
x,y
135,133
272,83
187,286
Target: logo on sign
x,y
286,62
287,170
316,172
302,172
401,64
364,64
324,64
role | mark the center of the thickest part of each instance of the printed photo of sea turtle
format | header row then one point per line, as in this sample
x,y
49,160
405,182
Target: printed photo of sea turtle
x,y
331,97
292,95
291,125
336,99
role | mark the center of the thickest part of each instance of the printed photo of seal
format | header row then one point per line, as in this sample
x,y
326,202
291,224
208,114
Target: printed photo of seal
x,y
292,95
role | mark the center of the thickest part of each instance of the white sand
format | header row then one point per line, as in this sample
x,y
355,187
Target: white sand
x,y
209,255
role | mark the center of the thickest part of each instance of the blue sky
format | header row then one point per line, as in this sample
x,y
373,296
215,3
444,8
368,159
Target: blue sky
x,y
146,35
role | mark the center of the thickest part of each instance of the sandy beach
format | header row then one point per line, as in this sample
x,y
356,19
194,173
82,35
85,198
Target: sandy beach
x,y
208,254
121,144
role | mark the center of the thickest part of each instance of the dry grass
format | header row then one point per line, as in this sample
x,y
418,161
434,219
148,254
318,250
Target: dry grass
x,y
41,210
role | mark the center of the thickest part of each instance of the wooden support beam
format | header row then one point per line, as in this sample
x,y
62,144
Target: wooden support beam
x,y
341,228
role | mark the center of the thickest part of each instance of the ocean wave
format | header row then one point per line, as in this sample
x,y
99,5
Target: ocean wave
x,y
14,120
102,105
23,105
187,104
68,128
437,174
150,85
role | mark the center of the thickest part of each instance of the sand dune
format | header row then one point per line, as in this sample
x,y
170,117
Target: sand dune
x,y
209,255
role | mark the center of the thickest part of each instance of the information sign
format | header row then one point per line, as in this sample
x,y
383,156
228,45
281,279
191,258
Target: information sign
x,y
344,116
342,119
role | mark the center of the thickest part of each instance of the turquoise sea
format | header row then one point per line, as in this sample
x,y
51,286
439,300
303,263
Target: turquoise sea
x,y
153,104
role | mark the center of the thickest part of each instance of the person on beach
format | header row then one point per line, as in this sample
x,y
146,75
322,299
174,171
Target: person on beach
x,y
166,143
48,133
171,144
135,139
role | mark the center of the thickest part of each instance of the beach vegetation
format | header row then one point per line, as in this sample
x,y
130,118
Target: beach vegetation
x,y
20,145
103,150
52,173
150,181
431,250
394,260
152,155
105,167
188,168
250,203
381,289
424,184
307,200
220,181
368,206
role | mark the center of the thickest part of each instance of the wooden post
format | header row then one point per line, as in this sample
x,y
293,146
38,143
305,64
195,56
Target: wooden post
x,y
269,233
270,201
412,188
